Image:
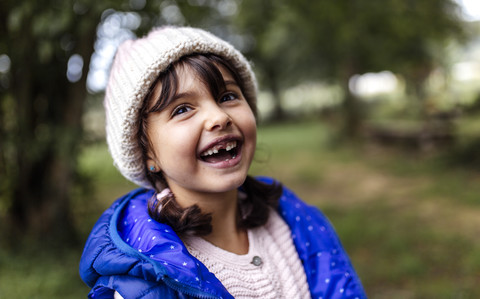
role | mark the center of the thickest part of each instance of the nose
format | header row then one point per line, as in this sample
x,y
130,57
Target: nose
x,y
216,118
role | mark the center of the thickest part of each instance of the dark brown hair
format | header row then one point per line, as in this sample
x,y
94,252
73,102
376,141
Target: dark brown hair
x,y
254,208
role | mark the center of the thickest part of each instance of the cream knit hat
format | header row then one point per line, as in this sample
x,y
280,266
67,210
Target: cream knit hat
x,y
136,65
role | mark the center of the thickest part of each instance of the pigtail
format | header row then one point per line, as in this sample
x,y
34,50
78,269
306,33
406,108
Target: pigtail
x,y
165,209
260,197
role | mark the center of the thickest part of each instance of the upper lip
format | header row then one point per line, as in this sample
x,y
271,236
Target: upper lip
x,y
219,140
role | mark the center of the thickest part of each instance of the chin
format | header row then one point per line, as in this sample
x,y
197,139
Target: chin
x,y
230,183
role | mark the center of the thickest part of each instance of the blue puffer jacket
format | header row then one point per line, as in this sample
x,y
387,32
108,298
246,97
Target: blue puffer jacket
x,y
138,257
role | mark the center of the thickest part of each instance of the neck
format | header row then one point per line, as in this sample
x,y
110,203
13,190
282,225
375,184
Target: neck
x,y
224,210
225,231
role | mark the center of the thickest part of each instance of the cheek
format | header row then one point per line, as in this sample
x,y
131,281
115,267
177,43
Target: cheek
x,y
249,126
174,146
252,129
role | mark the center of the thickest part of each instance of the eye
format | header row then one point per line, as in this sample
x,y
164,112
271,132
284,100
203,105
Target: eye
x,y
228,97
180,110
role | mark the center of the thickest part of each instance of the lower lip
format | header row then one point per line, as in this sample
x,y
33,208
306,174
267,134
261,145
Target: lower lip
x,y
228,163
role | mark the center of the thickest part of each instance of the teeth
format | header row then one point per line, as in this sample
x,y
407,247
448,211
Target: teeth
x,y
231,145
214,150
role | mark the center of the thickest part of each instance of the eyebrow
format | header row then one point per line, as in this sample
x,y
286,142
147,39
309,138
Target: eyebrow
x,y
231,82
190,93
186,94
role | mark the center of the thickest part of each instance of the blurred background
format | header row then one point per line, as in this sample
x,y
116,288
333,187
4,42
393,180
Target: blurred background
x,y
368,109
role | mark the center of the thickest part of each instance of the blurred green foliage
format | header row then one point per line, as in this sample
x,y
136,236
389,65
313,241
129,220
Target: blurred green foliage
x,y
334,40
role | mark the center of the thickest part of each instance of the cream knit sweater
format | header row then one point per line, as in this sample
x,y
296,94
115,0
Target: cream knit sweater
x,y
277,274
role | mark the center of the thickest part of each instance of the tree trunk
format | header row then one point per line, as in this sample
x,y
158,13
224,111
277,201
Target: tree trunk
x,y
278,113
48,134
351,106
352,115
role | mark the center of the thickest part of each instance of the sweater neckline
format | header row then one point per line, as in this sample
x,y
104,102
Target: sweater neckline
x,y
198,245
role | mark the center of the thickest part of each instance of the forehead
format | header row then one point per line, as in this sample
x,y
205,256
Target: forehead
x,y
188,76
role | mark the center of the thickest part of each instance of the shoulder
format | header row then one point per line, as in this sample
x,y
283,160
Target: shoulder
x,y
129,252
302,218
325,261
104,237
107,259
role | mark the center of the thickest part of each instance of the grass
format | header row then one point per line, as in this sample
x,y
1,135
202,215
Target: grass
x,y
409,222
36,273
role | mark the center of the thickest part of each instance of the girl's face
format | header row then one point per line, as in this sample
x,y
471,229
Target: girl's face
x,y
200,143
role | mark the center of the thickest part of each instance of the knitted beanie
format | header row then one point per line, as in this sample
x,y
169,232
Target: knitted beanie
x,y
136,65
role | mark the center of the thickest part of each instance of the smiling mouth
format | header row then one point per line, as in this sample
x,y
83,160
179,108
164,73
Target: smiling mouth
x,y
223,151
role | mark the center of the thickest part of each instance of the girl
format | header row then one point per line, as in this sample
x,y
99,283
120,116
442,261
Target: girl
x,y
181,123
